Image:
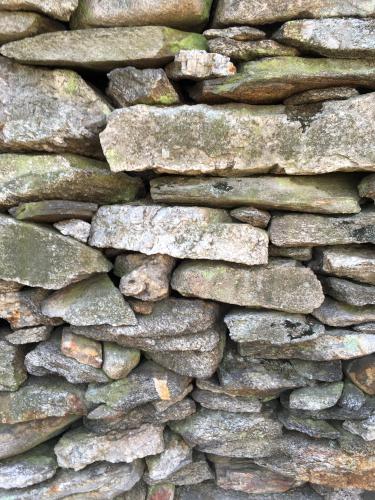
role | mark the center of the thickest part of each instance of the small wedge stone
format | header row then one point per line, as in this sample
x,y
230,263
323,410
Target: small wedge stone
x,y
119,361
248,51
199,65
77,229
362,373
57,9
84,350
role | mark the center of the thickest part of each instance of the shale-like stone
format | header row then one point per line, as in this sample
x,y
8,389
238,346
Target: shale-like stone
x,y
364,328
320,194
212,401
40,398
53,211
252,215
165,491
145,277
317,397
295,290
95,301
12,370
273,79
317,230
67,113
18,25
352,398
241,33
79,447
175,13
181,232
29,335
364,428
269,11
296,253
104,49
236,139
247,51
324,371
199,65
321,95
194,473
30,468
357,263
347,38
362,373
315,428
119,361
338,314
129,86
57,9
77,229
84,350
346,291
25,178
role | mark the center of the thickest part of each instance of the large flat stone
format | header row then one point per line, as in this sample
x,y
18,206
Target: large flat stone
x,y
183,14
282,288
181,232
320,194
53,260
67,114
18,25
104,48
235,139
58,9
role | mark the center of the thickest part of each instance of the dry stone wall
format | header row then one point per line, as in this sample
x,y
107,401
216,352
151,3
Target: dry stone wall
x,y
187,269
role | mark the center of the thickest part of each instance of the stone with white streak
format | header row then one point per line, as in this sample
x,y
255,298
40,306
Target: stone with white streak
x,y
198,65
75,228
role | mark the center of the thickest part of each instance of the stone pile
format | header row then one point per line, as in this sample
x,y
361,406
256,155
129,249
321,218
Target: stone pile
x,y
187,269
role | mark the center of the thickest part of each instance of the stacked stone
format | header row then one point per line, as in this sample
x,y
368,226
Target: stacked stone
x,y
207,333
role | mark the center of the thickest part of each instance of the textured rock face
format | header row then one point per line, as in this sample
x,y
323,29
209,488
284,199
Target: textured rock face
x,y
321,95
198,65
240,139
59,9
12,371
53,211
18,25
247,51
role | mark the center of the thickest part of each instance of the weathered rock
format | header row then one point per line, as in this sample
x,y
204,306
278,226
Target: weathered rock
x,y
79,447
97,481
147,383
193,473
145,277
298,253
67,116
163,491
175,13
104,49
138,492
129,86
182,232
84,350
321,95
346,291
41,398
324,371
347,38
352,398
18,25
315,428
119,361
295,290
47,358
241,33
364,328
53,210
161,406
25,178
318,397
199,65
247,51
27,469
338,314
141,307
363,428
75,228
269,11
95,301
252,215
29,335
9,286
362,373
320,194
366,187
12,370
314,230
235,139
273,79
57,9
233,404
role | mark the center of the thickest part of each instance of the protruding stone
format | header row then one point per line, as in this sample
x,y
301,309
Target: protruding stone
x,y
181,232
349,292
318,397
339,314
75,228
119,361
53,211
234,404
241,33
362,373
252,215
95,301
84,350
295,290
18,25
104,49
12,370
320,95
29,335
247,51
161,491
129,86
57,9
199,65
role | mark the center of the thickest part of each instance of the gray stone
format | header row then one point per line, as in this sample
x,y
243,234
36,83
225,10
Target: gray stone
x,y
12,370
318,230
319,397
347,38
18,25
324,371
338,314
241,33
29,335
366,187
295,290
298,253
129,86
320,194
352,398
346,291
247,51
67,116
9,286
364,328
84,350
95,301
194,473
104,49
315,428
53,210
181,232
320,95
78,448
233,404
57,9
199,65
361,372
77,229
364,428
252,215
119,361
162,490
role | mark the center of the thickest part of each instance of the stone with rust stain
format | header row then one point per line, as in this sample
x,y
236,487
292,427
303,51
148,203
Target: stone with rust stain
x,y
234,404
339,314
12,369
361,372
84,350
247,51
119,361
57,9
18,25
54,210
199,65
320,95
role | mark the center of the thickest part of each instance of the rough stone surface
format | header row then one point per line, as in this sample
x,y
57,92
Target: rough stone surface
x,y
321,95
199,65
334,313
234,404
252,215
297,253
241,33
366,187
104,49
352,398
364,428
18,25
12,370
59,9
315,428
29,335
86,351
347,291
362,373
53,211
247,51
119,361
75,228
319,397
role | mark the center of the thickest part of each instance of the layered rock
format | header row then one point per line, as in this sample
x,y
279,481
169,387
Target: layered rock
x,y
18,25
61,10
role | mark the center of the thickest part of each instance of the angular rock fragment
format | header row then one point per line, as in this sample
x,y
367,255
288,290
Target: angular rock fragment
x,y
362,373
79,447
53,211
181,232
298,253
247,51
241,33
339,314
95,301
252,215
129,86
145,277
28,178
84,350
324,371
319,194
12,369
194,473
104,49
366,187
57,9
315,428
295,290
199,65
318,230
175,13
18,25
352,398
346,291
364,428
77,229
321,95
234,404
341,38
319,397
119,361
29,335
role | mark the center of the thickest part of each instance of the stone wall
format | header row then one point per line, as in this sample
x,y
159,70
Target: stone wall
x,y
187,274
